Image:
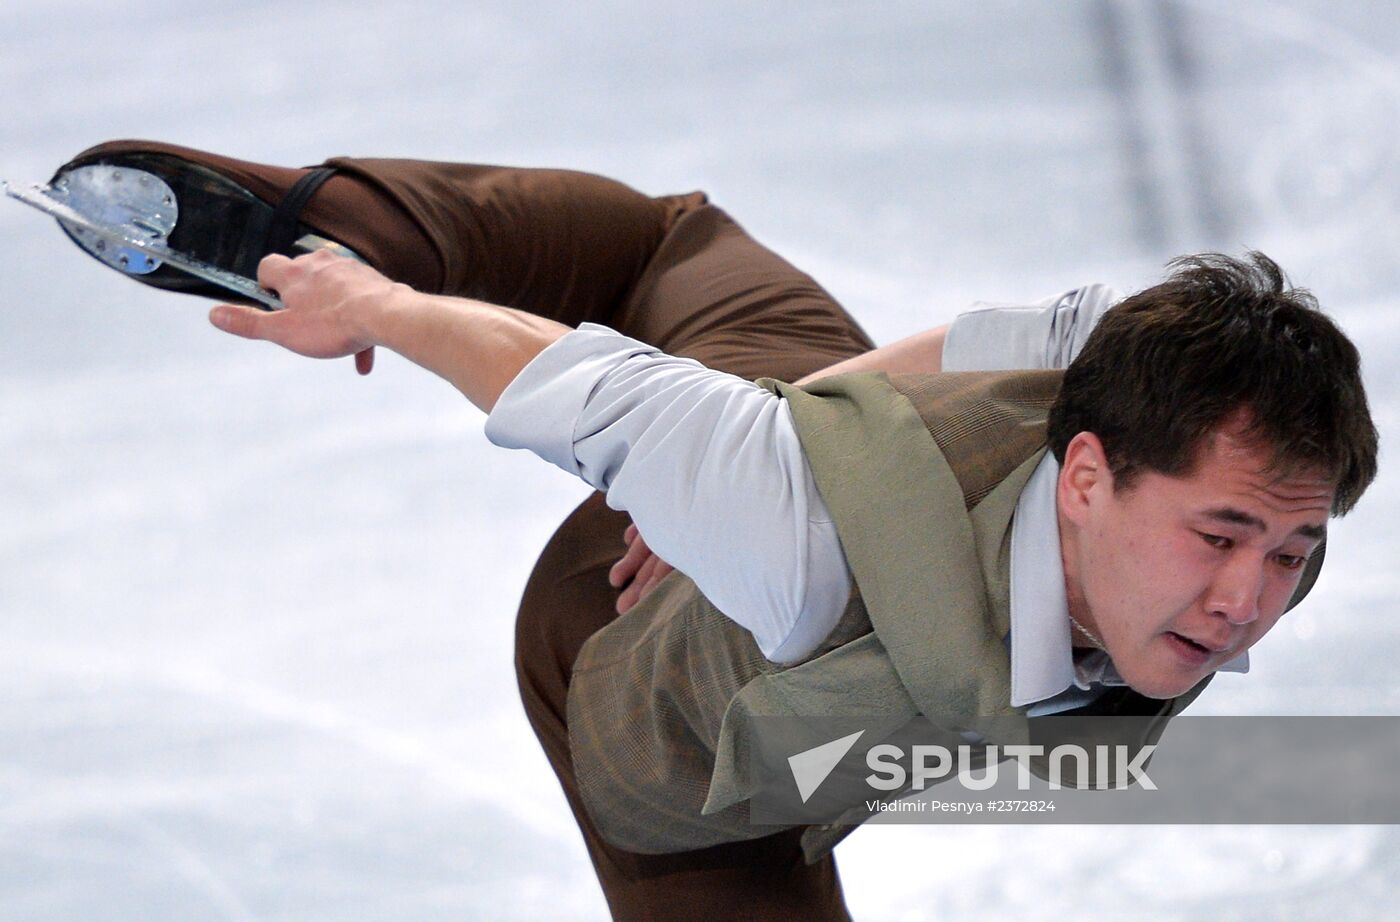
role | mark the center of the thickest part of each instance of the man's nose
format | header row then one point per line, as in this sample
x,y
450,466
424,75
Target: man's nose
x,y
1235,592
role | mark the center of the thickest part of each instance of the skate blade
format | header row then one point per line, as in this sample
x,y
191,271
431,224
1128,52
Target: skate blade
x,y
123,218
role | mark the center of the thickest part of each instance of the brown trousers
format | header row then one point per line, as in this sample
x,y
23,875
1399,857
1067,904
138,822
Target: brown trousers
x,y
674,272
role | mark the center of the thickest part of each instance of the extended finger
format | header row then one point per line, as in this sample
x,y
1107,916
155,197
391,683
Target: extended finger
x,y
636,556
624,569
364,361
641,584
247,322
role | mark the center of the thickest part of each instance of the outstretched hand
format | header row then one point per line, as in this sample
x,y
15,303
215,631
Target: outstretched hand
x,y
641,566
329,302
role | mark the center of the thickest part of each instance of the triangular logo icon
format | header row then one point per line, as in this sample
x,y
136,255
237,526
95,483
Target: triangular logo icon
x,y
810,768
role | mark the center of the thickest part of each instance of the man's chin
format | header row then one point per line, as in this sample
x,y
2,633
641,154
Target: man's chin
x,y
1161,681
1162,691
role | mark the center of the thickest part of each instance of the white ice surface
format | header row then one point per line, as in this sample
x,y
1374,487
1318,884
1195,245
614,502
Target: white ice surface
x,y
255,613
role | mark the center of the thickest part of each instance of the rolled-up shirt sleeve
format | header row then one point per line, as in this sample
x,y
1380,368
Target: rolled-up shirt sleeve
x,y
1047,334
709,466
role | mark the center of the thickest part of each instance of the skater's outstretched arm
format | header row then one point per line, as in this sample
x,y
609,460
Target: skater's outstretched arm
x,y
708,462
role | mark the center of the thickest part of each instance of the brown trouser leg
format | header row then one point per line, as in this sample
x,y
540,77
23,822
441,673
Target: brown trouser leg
x,y
711,293
678,274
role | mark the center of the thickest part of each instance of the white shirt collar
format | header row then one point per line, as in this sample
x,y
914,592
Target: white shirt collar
x,y
1043,662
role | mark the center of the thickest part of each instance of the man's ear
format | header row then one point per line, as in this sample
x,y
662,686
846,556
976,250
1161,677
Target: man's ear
x,y
1084,476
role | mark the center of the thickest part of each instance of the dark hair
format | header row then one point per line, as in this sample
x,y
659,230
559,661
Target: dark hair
x,y
1168,365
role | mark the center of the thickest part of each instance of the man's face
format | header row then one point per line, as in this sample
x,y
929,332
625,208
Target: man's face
x,y
1179,575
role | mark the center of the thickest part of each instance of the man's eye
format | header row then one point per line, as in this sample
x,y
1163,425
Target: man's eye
x,y
1291,561
1215,540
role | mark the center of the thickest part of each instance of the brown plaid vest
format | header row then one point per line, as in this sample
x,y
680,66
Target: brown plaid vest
x,y
921,474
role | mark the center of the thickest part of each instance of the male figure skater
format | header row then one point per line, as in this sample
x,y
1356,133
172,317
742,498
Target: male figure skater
x,y
1101,539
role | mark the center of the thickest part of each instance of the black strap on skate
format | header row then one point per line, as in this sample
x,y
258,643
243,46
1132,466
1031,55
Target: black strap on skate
x,y
282,232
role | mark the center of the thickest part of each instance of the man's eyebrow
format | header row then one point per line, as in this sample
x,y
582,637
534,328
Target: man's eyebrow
x,y
1315,532
1237,517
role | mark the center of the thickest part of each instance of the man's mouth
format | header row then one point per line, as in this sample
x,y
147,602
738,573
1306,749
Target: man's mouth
x,y
1192,651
